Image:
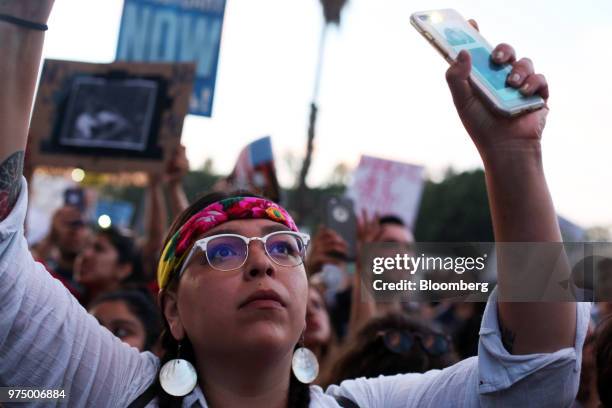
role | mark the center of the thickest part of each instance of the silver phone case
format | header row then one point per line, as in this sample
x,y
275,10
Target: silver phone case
x,y
449,55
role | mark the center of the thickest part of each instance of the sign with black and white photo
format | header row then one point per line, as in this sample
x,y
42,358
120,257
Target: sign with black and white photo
x,y
109,113
109,117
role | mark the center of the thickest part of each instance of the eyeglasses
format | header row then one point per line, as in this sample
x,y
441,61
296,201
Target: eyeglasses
x,y
226,252
402,341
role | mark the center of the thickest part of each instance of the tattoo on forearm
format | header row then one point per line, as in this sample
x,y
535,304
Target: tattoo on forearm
x,y
507,337
10,182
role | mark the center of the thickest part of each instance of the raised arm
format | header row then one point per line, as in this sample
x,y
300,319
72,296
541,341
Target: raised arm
x,y
156,216
47,340
529,353
175,172
363,305
521,205
21,51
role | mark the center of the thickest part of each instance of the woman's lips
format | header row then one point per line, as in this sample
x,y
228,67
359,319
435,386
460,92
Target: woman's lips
x,y
263,304
263,299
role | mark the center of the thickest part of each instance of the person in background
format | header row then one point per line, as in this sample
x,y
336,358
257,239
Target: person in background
x,y
462,321
602,350
327,262
110,261
131,315
587,396
327,248
392,230
68,236
392,344
176,169
389,229
327,267
156,210
318,336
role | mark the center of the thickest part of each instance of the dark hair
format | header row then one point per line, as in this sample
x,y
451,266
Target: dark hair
x,y
392,220
299,394
368,356
587,372
603,360
127,252
142,305
465,333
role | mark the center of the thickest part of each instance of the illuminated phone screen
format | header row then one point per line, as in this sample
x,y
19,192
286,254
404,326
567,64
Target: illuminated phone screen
x,y
491,74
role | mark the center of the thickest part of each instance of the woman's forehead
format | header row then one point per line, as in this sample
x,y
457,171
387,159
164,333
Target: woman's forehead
x,y
247,228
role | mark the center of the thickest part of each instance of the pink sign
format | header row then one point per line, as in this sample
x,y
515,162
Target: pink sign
x,y
388,188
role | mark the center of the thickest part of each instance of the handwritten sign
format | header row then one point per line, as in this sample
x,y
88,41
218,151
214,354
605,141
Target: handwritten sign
x,y
388,188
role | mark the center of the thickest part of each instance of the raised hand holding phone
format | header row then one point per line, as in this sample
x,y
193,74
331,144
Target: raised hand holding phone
x,y
521,206
448,32
491,132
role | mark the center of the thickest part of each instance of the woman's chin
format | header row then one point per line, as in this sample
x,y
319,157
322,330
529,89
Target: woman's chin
x,y
265,335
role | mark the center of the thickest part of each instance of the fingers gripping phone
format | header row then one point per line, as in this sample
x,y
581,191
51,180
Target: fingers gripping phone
x,y
448,32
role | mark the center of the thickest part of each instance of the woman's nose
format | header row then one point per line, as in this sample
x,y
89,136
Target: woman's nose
x,y
258,263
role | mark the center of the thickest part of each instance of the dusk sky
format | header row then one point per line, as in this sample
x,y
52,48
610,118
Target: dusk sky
x,y
383,91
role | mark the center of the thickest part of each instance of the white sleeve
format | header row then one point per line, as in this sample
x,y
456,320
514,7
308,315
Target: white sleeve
x,y
495,378
48,340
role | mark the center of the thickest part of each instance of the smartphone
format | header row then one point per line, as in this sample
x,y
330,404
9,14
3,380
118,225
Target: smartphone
x,y
340,217
75,197
448,32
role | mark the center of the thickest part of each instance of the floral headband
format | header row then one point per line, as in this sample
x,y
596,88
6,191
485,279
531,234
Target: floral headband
x,y
234,208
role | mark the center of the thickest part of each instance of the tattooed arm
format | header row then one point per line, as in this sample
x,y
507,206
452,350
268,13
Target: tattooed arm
x,y
47,339
521,206
10,182
21,51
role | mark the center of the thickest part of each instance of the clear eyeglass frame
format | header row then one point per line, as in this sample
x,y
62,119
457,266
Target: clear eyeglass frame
x,y
202,245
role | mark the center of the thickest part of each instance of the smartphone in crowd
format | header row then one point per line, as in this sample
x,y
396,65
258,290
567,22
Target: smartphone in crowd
x,y
340,217
75,197
448,32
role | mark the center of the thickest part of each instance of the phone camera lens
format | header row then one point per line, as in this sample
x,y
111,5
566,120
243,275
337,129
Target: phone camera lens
x,y
340,214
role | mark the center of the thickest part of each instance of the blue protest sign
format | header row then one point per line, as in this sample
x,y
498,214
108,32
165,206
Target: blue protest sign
x,y
176,31
118,213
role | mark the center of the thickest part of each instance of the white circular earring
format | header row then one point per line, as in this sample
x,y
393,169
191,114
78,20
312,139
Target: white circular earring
x,y
178,377
304,364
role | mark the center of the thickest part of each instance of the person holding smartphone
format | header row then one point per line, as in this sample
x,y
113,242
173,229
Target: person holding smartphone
x,y
529,353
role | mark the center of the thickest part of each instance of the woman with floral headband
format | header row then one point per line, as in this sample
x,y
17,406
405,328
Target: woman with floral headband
x,y
234,289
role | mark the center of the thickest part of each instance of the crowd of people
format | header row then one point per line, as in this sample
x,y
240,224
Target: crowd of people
x,y
232,306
